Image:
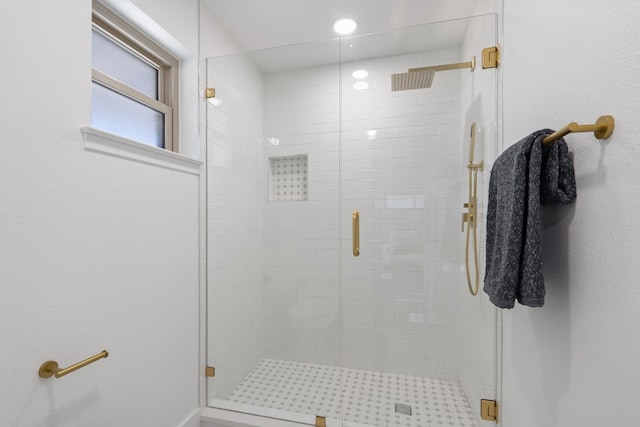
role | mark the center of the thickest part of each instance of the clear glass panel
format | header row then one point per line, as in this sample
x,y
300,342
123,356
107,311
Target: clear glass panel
x,y
120,115
273,235
120,64
298,326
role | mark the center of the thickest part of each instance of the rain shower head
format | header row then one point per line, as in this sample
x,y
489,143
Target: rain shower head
x,y
412,80
422,78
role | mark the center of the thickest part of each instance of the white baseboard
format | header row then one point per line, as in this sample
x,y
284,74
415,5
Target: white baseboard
x,y
192,420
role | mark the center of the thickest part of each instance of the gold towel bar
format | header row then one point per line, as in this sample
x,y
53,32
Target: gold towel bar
x,y
602,129
50,368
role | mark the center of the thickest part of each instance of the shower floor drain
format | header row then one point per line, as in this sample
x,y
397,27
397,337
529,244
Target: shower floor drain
x,y
403,409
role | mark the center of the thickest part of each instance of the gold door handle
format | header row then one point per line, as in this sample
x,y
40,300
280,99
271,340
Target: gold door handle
x,y
355,223
50,368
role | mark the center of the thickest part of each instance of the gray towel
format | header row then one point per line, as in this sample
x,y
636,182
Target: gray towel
x,y
525,176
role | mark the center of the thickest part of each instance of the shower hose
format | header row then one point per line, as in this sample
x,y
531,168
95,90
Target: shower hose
x,y
472,213
472,223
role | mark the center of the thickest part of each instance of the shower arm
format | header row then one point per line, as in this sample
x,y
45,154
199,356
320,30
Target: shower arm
x,y
446,67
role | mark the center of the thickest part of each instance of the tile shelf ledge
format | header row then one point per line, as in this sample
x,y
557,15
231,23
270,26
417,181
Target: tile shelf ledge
x,y
99,141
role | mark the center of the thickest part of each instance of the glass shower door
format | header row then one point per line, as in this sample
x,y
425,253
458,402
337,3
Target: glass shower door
x,y
300,138
415,343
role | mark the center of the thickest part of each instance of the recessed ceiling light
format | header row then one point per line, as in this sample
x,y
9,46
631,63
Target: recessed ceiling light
x,y
344,26
360,74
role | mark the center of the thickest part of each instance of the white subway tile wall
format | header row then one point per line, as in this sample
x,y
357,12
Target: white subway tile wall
x,y
400,294
301,238
400,167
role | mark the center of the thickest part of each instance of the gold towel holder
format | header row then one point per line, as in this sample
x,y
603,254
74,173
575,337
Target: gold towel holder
x,y
602,129
50,368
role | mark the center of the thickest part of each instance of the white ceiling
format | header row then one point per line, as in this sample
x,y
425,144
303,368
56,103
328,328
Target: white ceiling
x,y
259,24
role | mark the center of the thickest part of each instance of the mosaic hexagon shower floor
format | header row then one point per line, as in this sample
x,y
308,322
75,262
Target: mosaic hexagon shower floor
x,y
369,397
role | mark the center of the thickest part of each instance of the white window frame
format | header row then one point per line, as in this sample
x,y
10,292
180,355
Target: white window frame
x,y
126,36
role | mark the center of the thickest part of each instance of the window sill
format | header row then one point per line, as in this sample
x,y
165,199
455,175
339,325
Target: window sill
x,y
107,143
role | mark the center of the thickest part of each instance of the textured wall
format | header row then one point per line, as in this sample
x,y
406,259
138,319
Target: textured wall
x,y
96,251
563,62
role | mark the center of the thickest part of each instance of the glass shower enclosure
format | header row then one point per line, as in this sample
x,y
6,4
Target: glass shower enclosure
x,y
336,284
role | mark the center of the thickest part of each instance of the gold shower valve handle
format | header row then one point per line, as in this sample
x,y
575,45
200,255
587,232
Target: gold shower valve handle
x,y
50,368
465,218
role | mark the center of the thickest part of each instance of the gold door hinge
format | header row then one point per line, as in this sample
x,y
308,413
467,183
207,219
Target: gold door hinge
x,y
490,57
321,421
489,410
210,371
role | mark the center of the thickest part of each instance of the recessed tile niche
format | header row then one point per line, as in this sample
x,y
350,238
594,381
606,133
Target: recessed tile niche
x,y
288,178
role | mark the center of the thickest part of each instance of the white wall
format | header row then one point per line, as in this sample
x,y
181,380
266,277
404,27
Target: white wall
x,y
97,252
574,362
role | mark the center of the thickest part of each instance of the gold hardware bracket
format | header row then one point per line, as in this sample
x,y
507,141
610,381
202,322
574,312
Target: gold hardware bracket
x,y
210,371
490,57
50,368
489,410
210,93
321,421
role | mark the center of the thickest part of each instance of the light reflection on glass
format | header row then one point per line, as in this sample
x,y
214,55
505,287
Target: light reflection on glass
x,y
361,85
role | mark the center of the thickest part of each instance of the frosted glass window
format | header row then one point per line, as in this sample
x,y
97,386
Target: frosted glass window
x,y
135,83
120,115
120,64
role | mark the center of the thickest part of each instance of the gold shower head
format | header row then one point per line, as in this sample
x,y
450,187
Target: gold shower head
x,y
422,78
412,80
